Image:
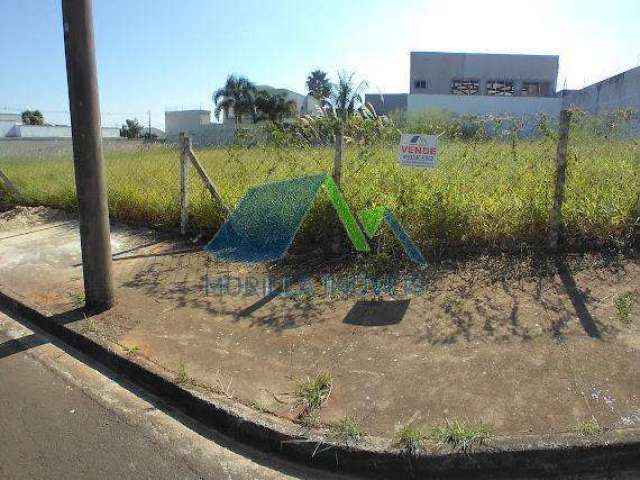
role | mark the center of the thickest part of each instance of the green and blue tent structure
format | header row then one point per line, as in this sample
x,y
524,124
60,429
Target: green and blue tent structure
x,y
372,219
263,225
267,218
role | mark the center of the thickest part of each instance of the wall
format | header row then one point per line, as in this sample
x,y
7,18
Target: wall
x,y
387,103
38,148
53,131
439,69
619,91
484,105
176,122
5,127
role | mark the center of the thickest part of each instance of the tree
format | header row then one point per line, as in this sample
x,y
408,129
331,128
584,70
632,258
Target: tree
x,y
319,85
344,101
274,107
131,129
32,117
237,95
346,96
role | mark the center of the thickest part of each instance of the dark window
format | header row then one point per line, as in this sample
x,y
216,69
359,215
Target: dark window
x,y
420,84
465,87
534,89
501,88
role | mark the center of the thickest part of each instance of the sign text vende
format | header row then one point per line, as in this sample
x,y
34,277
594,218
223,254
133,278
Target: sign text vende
x,y
418,150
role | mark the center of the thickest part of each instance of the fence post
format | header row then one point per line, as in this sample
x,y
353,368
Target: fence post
x,y
209,185
561,177
185,142
337,161
10,186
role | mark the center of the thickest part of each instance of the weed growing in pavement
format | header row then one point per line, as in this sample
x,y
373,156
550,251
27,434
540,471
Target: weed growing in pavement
x,y
311,393
182,376
132,351
623,305
77,298
460,434
410,439
589,428
89,327
346,430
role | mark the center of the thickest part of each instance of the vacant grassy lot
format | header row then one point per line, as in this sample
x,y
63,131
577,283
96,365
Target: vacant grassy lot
x,y
483,193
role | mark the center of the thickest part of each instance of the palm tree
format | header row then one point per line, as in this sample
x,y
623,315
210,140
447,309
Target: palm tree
x,y
319,85
274,107
344,101
346,96
238,94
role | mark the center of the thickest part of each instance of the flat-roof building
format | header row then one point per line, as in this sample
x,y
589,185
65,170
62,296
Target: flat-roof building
x,y
477,83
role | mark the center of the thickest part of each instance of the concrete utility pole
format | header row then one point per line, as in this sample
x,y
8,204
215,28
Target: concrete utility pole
x,y
87,153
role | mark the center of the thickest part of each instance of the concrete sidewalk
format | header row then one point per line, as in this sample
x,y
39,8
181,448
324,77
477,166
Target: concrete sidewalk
x,y
523,353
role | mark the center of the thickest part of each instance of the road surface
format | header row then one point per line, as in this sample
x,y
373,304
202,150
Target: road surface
x,y
62,419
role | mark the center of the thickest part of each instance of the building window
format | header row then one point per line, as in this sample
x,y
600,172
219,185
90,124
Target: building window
x,y
534,89
465,87
420,84
501,88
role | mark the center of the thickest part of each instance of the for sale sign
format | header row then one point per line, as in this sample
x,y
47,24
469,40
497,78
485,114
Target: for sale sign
x,y
418,150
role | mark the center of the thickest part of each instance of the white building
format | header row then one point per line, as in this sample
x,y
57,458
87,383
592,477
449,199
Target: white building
x,y
11,126
477,84
197,123
305,104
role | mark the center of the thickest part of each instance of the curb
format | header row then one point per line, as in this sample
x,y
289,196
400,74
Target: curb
x,y
547,456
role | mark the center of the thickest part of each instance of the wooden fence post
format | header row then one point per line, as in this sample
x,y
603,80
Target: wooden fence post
x,y
337,161
209,185
185,143
561,177
10,186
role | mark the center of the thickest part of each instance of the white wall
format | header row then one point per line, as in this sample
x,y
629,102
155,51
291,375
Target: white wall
x,y
5,127
176,122
53,131
485,105
619,91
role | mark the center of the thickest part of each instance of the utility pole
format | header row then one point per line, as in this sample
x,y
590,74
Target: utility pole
x,y
88,161
149,131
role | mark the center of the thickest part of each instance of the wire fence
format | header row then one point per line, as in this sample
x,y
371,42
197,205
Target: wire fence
x,y
493,186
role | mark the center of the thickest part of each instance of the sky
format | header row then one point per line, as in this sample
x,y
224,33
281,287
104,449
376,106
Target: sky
x,y
155,55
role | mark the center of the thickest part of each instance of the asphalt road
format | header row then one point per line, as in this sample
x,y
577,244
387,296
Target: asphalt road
x,y
61,419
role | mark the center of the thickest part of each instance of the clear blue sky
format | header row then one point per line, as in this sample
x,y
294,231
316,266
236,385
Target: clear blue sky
x,y
153,55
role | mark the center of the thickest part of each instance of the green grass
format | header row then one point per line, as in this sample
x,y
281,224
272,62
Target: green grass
x,y
460,435
77,298
623,305
89,326
483,192
182,376
589,428
311,393
410,439
346,430
132,351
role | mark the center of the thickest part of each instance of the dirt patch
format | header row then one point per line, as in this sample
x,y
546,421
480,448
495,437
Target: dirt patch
x,y
524,353
26,217
526,345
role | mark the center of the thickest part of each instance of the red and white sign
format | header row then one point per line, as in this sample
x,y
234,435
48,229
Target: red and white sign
x,y
418,150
